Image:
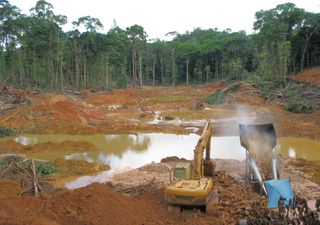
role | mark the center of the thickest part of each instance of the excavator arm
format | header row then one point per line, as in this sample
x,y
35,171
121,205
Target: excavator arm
x,y
204,143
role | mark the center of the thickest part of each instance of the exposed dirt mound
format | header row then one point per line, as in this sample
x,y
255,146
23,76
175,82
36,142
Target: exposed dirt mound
x,y
78,167
142,180
246,93
95,204
117,96
172,159
9,188
310,76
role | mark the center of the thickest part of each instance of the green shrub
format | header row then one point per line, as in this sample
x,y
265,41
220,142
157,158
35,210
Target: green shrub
x,y
299,107
5,132
43,169
233,87
269,88
292,90
216,97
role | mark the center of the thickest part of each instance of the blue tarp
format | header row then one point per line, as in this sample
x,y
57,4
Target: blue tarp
x,y
279,189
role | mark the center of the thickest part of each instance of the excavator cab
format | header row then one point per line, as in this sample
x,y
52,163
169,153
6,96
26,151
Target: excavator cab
x,y
181,170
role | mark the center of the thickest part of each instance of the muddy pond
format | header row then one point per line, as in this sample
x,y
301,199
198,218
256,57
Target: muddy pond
x,y
124,151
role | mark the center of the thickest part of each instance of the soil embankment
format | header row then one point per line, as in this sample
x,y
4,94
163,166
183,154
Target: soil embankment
x,y
97,205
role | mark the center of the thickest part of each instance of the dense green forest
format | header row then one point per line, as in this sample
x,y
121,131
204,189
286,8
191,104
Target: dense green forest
x,y
36,52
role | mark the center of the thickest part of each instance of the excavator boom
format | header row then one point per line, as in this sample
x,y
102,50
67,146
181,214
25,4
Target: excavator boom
x,y
204,142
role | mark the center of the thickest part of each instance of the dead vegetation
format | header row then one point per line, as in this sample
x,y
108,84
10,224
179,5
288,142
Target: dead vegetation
x,y
25,172
9,99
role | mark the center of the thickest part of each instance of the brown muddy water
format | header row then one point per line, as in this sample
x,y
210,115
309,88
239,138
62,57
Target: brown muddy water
x,y
127,151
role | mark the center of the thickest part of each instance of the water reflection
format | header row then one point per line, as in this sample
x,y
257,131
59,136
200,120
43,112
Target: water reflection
x,y
123,142
125,151
103,146
161,146
128,150
299,147
131,150
79,156
26,140
292,152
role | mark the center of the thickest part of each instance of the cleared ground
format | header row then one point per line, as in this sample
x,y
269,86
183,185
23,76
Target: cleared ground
x,y
150,109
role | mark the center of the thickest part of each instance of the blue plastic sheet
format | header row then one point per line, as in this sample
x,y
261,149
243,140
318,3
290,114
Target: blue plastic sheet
x,y
279,189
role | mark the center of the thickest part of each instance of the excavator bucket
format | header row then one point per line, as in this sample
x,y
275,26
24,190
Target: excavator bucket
x,y
252,131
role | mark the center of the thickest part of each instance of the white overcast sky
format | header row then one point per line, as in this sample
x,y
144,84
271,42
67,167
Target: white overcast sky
x,y
159,17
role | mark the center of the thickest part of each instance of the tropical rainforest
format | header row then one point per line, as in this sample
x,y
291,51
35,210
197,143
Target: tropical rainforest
x,y
36,52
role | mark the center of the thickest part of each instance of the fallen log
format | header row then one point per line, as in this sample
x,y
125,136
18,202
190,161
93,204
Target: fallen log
x,y
134,190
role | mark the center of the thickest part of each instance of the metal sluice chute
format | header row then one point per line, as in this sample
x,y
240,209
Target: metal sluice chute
x,y
259,140
250,130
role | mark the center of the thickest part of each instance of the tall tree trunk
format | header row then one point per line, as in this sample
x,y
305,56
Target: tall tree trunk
x,y
134,70
50,74
77,70
107,72
207,70
59,63
3,64
285,69
278,59
76,64
20,69
187,70
140,69
61,76
306,46
308,61
161,68
173,69
294,59
154,71
216,66
85,71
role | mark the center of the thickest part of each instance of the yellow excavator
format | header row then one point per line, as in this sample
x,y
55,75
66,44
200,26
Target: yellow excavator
x,y
191,184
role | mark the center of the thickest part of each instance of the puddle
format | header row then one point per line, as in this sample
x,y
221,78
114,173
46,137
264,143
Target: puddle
x,y
161,146
126,151
299,147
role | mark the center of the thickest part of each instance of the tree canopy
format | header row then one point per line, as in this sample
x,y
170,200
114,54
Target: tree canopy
x,y
36,52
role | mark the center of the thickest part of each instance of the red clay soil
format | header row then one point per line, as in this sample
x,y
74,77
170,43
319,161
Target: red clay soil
x,y
130,110
95,204
310,76
92,205
9,188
